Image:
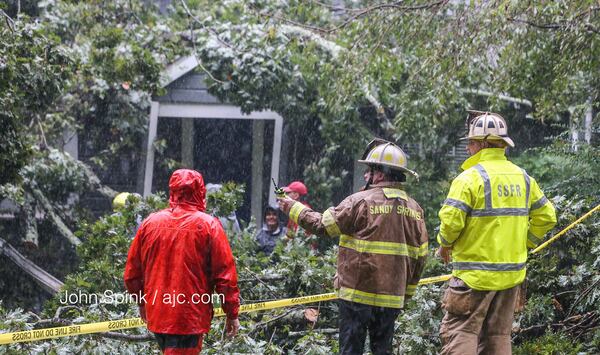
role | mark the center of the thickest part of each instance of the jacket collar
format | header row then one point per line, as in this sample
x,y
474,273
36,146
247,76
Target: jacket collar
x,y
485,154
392,184
275,232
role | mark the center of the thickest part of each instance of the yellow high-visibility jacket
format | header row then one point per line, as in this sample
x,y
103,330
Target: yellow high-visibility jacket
x,y
493,213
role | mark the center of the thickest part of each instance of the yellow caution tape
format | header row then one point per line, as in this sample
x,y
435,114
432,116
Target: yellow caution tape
x,y
246,308
75,329
434,279
565,230
51,333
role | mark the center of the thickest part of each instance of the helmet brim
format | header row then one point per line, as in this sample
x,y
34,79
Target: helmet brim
x,y
491,137
391,166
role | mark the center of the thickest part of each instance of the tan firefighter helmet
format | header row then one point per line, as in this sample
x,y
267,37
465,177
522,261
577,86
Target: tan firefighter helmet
x,y
386,154
487,125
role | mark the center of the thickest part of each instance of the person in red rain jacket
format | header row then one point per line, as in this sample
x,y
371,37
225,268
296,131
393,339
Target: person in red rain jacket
x,y
295,190
179,257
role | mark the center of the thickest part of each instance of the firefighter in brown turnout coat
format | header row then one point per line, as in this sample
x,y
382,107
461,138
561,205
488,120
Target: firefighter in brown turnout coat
x,y
383,246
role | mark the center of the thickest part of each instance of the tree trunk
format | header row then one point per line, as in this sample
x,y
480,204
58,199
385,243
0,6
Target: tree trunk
x,y
48,282
588,122
574,127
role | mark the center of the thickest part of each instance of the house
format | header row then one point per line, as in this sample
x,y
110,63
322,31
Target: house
x,y
213,137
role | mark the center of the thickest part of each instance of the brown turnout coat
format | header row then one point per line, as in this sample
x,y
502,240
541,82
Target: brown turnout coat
x,y
383,243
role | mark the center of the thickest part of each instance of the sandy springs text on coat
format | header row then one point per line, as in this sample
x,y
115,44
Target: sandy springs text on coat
x,y
78,329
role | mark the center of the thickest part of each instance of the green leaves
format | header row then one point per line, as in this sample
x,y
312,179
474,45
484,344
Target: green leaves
x,y
225,200
32,77
401,73
562,278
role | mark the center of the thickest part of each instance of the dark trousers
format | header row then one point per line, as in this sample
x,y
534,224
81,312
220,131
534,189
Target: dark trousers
x,y
172,344
357,318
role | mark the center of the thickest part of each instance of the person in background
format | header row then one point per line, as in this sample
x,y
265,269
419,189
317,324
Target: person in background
x,y
178,256
297,191
271,232
493,213
382,249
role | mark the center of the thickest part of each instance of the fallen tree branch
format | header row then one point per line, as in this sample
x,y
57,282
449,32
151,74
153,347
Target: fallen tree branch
x,y
576,325
48,282
258,326
530,329
92,178
296,316
208,29
582,295
51,323
263,278
336,8
565,293
95,182
566,25
58,222
9,21
395,6
318,330
128,337
335,50
61,309
306,32
299,24
271,292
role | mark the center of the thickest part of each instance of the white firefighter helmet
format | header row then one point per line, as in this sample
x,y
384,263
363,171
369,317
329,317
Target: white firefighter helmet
x,y
487,126
386,154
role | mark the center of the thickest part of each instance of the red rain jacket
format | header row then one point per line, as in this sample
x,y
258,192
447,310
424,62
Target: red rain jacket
x,y
178,258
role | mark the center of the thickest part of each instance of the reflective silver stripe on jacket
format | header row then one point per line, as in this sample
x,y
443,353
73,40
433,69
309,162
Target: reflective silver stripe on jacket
x,y
534,239
383,248
458,204
527,187
495,212
467,265
444,241
487,185
539,203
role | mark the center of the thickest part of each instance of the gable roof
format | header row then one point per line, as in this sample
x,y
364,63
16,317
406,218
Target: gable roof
x,y
179,68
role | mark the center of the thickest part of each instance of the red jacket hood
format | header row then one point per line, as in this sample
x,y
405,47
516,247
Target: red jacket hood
x,y
186,187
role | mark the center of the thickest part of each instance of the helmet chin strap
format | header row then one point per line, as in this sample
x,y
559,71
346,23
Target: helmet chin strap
x,y
483,141
370,181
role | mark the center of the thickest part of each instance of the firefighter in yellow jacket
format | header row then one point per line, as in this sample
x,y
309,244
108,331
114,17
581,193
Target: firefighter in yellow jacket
x,y
493,213
382,249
